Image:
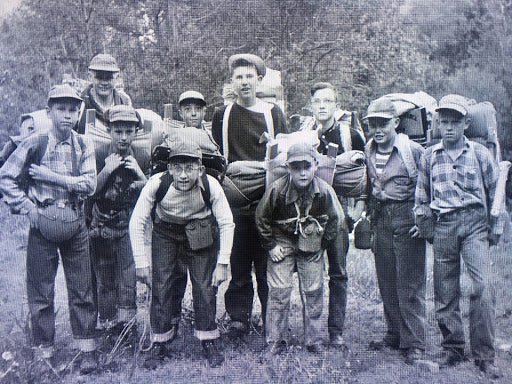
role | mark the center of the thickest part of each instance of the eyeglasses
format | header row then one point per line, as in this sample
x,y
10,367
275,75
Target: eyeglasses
x,y
189,168
322,101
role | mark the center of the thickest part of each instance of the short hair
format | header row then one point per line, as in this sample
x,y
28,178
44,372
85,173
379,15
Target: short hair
x,y
323,85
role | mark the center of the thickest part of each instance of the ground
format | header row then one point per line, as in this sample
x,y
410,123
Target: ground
x,y
248,362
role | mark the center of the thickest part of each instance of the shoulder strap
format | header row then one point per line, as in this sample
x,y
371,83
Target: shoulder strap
x,y
346,139
225,121
404,145
480,174
269,121
205,193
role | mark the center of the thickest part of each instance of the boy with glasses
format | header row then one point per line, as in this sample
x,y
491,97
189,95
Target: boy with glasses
x,y
192,227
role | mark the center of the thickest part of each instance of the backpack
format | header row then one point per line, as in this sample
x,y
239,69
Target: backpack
x,y
166,181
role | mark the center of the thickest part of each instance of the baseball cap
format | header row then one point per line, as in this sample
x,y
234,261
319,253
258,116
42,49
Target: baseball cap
x,y
182,148
382,108
63,91
251,59
192,95
455,103
104,62
301,152
121,113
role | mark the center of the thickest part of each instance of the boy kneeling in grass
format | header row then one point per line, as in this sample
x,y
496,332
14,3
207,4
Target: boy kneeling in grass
x,y
192,226
297,218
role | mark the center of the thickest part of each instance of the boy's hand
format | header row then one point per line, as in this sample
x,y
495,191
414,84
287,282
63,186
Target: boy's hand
x,y
112,162
41,173
277,254
144,276
220,274
414,232
131,164
316,256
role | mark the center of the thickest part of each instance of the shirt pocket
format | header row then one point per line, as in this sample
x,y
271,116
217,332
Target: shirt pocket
x,y
471,179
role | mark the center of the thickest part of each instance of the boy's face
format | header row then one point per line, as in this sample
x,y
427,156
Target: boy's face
x,y
383,130
64,114
302,173
27,127
192,113
103,82
122,133
452,125
323,104
244,80
185,172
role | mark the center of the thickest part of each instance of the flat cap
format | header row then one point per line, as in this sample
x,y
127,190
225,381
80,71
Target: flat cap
x,y
121,113
192,95
301,152
104,62
236,60
456,103
382,108
63,91
182,148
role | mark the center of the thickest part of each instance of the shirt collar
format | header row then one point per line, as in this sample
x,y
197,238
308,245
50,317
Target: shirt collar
x,y
292,194
440,146
52,140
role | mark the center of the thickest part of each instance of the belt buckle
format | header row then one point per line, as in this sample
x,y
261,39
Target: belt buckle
x,y
61,204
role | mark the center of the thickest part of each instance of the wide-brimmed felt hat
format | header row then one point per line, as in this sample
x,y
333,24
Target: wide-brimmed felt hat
x,y
104,62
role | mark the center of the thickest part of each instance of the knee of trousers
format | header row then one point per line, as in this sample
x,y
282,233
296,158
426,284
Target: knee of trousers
x,y
279,298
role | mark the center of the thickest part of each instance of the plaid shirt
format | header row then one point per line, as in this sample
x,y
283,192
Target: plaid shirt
x,y
58,159
458,183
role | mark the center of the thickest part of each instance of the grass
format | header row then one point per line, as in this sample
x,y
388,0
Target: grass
x,y
248,362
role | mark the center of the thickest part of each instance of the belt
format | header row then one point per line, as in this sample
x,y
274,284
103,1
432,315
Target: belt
x,y
437,214
59,203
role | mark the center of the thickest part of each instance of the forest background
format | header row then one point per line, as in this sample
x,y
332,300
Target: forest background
x,y
366,48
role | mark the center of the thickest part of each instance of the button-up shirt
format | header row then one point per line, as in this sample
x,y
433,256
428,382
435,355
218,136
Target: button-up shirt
x,y
448,184
394,182
58,158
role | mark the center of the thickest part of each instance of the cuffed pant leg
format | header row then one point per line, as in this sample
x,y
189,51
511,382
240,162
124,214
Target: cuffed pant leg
x,y
42,262
125,279
280,278
338,280
76,262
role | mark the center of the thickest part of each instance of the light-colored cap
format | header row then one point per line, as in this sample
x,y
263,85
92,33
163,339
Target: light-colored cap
x,y
104,62
381,108
121,113
301,152
249,58
456,103
182,148
193,96
63,91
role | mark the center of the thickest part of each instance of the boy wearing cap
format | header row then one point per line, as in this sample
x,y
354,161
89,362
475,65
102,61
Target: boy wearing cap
x,y
296,218
192,227
456,182
392,161
120,180
58,172
102,93
192,109
343,132
237,129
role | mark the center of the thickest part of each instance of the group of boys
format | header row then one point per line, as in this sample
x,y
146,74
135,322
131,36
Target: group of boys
x,y
298,218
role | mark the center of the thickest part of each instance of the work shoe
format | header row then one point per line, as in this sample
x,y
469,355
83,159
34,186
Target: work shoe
x,y
89,362
156,355
314,348
277,347
338,342
236,331
412,355
452,357
384,343
489,369
212,353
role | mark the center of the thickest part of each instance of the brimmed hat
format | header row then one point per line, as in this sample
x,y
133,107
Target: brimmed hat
x,y
455,103
63,91
103,62
183,148
382,108
301,152
192,95
121,113
251,59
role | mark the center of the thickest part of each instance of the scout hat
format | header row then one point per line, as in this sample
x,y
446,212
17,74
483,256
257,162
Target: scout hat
x,y
192,95
301,152
382,108
249,58
187,148
122,113
63,91
455,103
103,62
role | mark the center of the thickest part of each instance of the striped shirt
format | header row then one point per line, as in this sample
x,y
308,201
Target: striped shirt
x,y
57,158
381,158
468,180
